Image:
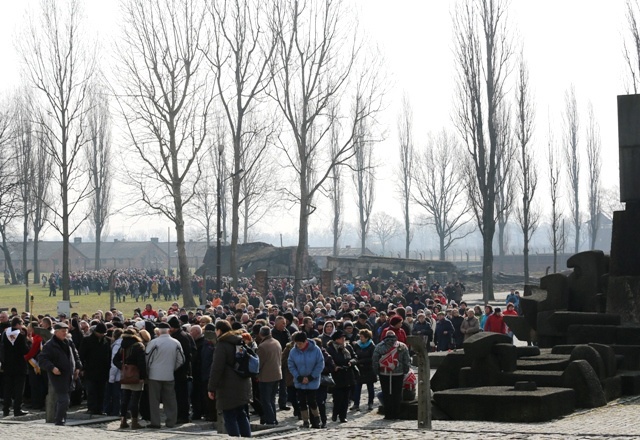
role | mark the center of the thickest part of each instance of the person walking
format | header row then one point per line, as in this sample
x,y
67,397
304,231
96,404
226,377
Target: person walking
x,y
270,355
60,359
232,392
305,364
393,361
164,356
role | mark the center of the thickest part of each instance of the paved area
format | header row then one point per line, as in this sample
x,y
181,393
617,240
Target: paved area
x,y
618,420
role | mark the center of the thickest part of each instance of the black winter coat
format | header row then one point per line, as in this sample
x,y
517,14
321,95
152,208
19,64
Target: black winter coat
x,y
13,362
189,349
365,363
231,390
95,354
134,354
345,358
63,356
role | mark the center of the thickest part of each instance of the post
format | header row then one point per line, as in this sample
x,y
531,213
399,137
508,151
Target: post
x,y
168,250
26,295
424,382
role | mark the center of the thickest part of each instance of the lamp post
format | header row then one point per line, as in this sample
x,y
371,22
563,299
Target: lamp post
x,y
218,230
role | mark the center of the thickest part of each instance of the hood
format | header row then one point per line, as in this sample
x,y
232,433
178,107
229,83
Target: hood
x,y
233,337
390,338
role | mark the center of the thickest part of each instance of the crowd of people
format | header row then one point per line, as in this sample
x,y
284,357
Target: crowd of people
x,y
310,346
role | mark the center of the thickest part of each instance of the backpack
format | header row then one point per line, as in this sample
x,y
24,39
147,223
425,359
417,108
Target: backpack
x,y
246,363
390,360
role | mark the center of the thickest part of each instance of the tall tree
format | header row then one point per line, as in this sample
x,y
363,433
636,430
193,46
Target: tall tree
x,y
594,165
98,153
384,227
165,102
483,51
405,138
631,45
556,221
505,179
336,190
571,121
60,64
242,49
439,189
363,176
40,198
527,213
24,138
317,56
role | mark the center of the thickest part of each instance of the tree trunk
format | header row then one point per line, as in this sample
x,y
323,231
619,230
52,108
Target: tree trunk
x,y
303,242
487,263
442,250
98,243
185,279
36,266
235,224
407,230
25,237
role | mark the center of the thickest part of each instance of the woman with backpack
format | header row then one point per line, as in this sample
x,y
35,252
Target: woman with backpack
x,y
393,361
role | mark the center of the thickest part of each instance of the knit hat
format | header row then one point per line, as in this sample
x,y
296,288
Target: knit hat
x,y
395,320
174,322
100,328
337,335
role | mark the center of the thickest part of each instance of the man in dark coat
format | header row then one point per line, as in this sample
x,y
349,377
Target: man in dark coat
x,y
95,354
14,347
183,375
59,358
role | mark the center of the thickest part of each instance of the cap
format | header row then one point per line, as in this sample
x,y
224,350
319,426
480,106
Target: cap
x,y
173,322
337,335
164,325
100,328
60,326
395,320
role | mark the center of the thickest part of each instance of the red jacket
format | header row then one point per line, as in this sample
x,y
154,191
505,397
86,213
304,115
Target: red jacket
x,y
495,323
400,334
36,346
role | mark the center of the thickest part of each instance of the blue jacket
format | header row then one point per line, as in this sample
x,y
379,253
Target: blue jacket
x,y
309,362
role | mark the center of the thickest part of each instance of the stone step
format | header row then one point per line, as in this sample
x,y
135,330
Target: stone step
x,y
542,378
532,363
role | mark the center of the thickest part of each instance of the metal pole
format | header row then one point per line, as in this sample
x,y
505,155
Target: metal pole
x,y
218,232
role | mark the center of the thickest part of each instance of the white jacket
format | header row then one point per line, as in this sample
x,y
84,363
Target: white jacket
x,y
114,372
164,356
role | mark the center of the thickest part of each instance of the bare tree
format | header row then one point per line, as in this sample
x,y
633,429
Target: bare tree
x,y
556,223
594,164
98,153
318,52
24,138
363,176
482,53
40,198
258,187
505,179
243,46
571,136
60,64
165,103
527,213
405,138
384,227
439,189
631,45
610,200
336,190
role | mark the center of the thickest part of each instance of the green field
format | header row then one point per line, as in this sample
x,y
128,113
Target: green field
x,y
14,296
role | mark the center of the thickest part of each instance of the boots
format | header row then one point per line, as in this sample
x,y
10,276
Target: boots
x,y
123,423
135,424
315,418
323,415
305,418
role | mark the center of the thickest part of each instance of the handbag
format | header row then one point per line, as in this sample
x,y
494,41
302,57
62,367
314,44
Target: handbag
x,y
129,374
327,380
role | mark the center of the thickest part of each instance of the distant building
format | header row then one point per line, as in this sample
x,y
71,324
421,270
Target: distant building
x,y
320,254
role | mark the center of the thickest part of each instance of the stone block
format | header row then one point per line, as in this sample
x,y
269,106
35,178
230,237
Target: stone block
x,y
503,404
447,375
527,350
525,386
327,277
612,387
608,358
519,326
628,335
557,287
580,376
586,280
584,334
262,282
543,364
591,355
562,319
623,297
484,371
631,355
542,378
629,382
545,326
480,345
563,349
507,355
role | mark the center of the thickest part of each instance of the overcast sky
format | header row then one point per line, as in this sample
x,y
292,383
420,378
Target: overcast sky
x,y
565,42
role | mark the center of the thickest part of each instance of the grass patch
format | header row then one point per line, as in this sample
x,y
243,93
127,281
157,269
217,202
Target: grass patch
x,y
14,296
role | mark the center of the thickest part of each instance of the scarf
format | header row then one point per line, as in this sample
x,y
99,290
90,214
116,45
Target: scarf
x,y
364,345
